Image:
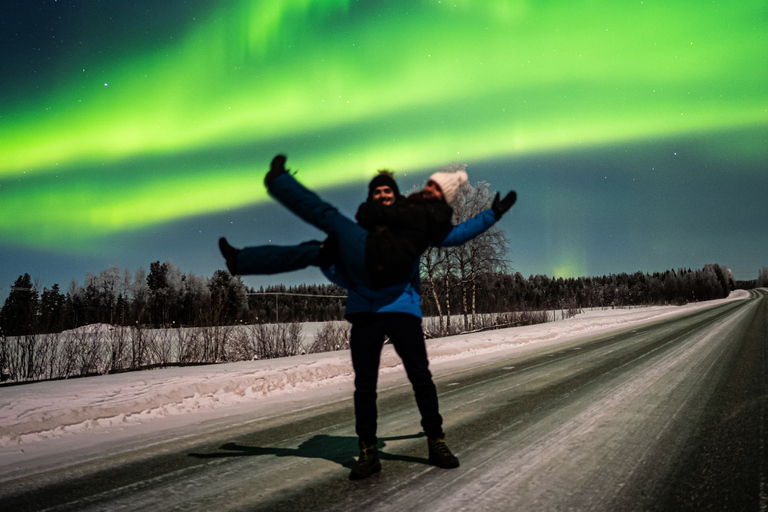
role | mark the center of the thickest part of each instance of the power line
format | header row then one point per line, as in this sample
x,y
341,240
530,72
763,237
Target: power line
x,y
298,294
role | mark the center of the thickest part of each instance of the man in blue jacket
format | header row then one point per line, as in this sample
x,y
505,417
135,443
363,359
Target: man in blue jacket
x,y
393,311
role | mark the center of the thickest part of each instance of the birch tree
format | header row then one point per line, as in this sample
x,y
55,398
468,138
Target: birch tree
x,y
456,270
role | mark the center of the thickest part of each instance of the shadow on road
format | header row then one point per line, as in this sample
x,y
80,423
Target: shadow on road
x,y
336,449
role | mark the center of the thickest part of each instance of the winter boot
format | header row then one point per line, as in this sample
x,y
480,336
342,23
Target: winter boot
x,y
439,454
230,255
368,462
276,168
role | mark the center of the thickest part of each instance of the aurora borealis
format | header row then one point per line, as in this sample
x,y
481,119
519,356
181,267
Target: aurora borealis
x,y
139,132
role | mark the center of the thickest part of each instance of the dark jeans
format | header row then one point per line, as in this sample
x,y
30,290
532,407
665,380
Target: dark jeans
x,y
366,341
313,210
275,259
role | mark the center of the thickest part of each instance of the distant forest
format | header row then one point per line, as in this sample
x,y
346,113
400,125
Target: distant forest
x,y
168,298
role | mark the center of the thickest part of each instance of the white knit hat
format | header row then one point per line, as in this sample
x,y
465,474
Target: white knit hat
x,y
449,183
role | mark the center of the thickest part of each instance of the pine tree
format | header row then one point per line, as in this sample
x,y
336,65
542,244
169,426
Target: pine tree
x,y
19,313
52,310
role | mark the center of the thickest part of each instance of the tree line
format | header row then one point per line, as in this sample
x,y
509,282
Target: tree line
x,y
513,292
244,328
168,298
163,298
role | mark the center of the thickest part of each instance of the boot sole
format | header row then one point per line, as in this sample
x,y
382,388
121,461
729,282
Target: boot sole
x,y
450,465
374,470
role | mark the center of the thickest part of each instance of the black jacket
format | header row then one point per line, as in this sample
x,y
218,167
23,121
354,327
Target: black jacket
x,y
399,234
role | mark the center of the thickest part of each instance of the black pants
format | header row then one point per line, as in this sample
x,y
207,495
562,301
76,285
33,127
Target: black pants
x,y
366,341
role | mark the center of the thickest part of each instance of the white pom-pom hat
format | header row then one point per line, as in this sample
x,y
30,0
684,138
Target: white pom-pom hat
x,y
449,183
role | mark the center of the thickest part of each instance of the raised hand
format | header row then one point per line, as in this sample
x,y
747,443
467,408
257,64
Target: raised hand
x,y
500,207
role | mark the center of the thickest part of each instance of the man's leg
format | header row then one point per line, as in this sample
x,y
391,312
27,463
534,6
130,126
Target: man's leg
x,y
405,333
365,342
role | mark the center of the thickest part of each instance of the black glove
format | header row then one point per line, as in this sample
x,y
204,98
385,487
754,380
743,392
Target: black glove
x,y
500,207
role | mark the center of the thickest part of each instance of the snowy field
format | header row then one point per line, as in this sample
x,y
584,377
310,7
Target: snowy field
x,y
45,418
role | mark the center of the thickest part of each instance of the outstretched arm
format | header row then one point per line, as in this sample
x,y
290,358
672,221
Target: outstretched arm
x,y
475,226
469,229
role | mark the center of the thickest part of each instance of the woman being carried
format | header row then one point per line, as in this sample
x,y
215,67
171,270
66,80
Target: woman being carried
x,y
381,248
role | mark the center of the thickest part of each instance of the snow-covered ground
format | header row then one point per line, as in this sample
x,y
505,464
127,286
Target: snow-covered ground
x,y
39,417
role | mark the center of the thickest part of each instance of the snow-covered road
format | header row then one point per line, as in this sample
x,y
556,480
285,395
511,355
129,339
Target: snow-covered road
x,y
248,433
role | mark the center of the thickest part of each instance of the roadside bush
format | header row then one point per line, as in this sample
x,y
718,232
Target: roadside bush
x,y
333,336
276,340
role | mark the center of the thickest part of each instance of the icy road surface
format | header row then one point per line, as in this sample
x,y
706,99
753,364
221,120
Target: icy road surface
x,y
651,409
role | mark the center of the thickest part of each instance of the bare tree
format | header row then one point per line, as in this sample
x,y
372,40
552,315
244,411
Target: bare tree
x,y
333,336
460,268
109,285
119,344
434,264
140,294
276,340
162,350
762,277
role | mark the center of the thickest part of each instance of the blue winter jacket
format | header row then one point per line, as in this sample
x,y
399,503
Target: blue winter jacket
x,y
405,297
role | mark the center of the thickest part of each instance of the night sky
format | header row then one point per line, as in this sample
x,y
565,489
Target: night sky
x,y
635,132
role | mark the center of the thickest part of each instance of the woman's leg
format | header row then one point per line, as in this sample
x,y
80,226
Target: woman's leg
x,y
276,259
313,210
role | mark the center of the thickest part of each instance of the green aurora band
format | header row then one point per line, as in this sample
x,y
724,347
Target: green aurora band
x,y
187,129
